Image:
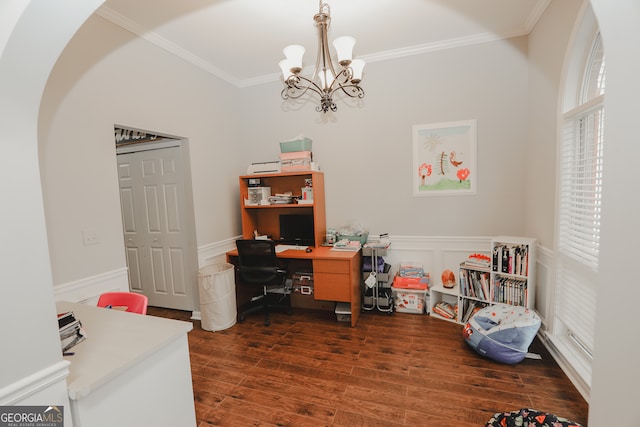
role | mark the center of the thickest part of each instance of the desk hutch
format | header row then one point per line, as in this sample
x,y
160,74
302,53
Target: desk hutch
x,y
336,274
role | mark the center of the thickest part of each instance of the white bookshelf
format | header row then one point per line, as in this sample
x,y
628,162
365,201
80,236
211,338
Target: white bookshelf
x,y
510,279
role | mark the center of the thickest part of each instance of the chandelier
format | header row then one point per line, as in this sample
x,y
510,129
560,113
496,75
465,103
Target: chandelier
x,y
326,80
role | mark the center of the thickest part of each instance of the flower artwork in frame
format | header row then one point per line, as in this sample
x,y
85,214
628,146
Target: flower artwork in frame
x,y
444,159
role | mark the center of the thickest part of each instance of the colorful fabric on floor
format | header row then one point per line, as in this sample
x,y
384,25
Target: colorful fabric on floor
x,y
528,418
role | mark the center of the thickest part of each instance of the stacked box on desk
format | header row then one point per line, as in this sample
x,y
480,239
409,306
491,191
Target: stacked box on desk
x,y
299,144
295,161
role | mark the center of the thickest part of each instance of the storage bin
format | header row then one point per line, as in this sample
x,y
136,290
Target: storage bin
x,y
256,195
343,312
217,289
409,300
303,283
362,238
295,161
300,144
416,283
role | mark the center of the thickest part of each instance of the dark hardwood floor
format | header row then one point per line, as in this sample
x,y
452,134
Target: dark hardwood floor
x,y
307,369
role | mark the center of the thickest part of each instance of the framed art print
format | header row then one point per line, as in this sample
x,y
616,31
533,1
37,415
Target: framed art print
x,y
444,159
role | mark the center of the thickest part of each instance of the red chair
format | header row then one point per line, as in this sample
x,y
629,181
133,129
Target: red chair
x,y
134,303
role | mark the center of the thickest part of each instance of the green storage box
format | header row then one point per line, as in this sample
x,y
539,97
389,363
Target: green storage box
x,y
362,238
301,144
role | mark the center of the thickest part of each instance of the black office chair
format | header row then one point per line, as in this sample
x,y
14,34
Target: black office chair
x,y
258,265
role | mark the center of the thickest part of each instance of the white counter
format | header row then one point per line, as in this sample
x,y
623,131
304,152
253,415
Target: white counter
x,y
131,370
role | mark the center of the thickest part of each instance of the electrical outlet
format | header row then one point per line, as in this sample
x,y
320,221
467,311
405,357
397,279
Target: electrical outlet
x,y
90,237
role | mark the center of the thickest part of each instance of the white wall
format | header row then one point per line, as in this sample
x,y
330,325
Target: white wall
x,y
108,76
615,372
366,153
32,371
547,47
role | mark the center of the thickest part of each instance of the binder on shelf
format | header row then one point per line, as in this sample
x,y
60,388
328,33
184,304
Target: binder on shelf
x,y
505,259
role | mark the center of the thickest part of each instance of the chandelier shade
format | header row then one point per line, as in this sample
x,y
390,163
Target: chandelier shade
x,y
326,79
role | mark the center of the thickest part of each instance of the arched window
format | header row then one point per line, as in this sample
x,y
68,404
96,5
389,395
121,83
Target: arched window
x,y
579,200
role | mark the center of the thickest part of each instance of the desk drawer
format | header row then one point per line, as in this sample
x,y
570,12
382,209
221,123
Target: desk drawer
x,y
331,286
331,266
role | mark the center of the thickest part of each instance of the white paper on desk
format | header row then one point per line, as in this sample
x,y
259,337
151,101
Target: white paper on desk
x,y
282,248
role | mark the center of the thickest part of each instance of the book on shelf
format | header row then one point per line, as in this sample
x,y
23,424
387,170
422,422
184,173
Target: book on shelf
x,y
474,283
511,259
471,308
511,291
446,310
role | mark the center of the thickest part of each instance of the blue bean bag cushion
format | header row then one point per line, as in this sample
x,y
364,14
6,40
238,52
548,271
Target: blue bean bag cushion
x,y
528,418
502,332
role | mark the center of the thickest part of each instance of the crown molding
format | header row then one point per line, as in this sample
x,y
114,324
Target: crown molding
x,y
129,25
536,14
150,36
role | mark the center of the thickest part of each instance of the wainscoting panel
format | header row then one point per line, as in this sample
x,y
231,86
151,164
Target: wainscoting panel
x,y
46,387
435,254
544,290
88,290
214,253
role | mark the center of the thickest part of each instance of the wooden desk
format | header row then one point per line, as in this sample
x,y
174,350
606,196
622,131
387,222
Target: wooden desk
x,y
132,370
336,275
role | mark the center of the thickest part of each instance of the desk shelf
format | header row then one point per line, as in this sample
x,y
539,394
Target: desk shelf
x,y
337,275
279,206
265,218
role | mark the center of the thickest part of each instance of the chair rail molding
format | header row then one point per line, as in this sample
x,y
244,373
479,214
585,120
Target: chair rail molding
x,y
47,386
88,289
216,252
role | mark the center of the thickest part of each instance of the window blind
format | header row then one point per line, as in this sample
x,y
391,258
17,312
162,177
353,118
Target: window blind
x,y
580,206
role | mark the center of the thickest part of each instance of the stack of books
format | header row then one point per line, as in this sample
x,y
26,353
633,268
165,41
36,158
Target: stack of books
x,y
410,270
71,332
281,199
471,308
446,310
478,261
383,242
347,245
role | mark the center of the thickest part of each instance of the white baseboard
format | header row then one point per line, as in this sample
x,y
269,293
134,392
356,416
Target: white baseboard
x,y
576,377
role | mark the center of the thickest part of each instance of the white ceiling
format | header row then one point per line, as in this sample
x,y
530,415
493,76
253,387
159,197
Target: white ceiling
x,y
241,41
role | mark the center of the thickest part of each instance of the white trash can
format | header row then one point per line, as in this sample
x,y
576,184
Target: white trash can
x,y
217,289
